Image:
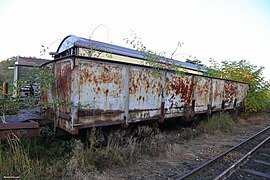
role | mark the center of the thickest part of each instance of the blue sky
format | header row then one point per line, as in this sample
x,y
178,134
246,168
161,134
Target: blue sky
x,y
219,29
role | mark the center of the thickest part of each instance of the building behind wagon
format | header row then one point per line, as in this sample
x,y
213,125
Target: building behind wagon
x,y
118,86
22,67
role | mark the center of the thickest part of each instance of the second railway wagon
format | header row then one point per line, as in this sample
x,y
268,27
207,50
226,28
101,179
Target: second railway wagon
x,y
109,84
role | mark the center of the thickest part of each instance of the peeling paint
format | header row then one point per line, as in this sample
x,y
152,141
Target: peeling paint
x,y
201,94
217,94
230,89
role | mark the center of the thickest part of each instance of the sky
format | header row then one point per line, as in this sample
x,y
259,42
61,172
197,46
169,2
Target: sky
x,y
218,29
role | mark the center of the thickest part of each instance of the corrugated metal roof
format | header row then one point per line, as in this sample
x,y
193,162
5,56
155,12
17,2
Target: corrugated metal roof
x,y
72,40
29,61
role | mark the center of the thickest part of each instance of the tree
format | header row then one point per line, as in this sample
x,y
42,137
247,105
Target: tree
x,y
258,97
5,73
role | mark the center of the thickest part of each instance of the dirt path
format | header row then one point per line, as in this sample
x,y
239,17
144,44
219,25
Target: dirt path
x,y
183,156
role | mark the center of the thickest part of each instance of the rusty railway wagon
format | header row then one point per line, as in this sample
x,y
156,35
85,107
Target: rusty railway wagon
x,y
119,86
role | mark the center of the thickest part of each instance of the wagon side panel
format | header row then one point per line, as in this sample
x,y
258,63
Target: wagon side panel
x,y
202,94
217,94
242,90
230,88
63,78
178,94
145,90
102,88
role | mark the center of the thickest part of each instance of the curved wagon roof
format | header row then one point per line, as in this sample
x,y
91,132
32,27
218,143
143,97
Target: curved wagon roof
x,y
74,41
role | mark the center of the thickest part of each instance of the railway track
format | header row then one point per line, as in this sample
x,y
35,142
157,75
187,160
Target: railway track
x,y
248,160
257,166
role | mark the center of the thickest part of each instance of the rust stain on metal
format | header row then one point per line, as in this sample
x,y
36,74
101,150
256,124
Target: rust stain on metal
x,y
109,117
19,133
21,125
242,91
94,112
101,85
217,91
202,93
20,130
66,125
99,123
106,92
229,93
139,115
101,74
64,80
182,87
144,93
202,88
65,116
64,83
162,111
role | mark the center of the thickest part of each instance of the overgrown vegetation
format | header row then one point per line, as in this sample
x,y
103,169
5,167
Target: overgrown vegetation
x,y
41,79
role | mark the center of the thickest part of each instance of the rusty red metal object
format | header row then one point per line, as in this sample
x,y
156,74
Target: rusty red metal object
x,y
20,129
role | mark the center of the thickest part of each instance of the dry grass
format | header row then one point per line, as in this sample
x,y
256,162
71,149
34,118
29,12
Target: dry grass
x,y
32,158
189,133
218,122
16,161
92,158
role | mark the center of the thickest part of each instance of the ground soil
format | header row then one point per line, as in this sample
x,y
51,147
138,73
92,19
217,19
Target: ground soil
x,y
185,155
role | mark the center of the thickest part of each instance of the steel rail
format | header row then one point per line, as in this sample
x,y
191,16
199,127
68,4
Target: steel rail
x,y
233,167
223,154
